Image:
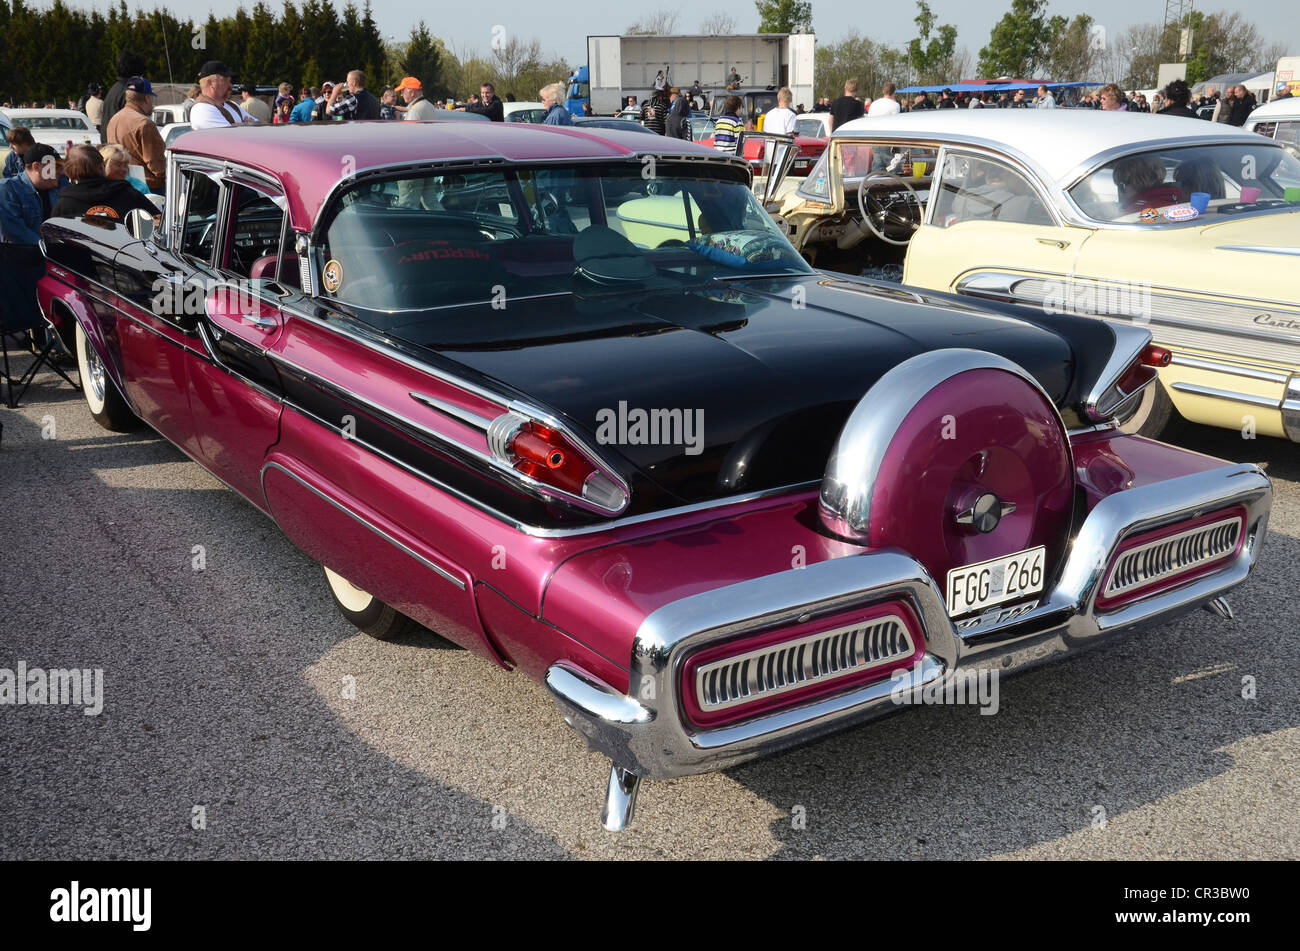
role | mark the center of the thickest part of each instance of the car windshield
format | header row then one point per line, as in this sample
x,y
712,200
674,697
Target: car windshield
x,y
53,122
1157,186
812,128
461,237
534,116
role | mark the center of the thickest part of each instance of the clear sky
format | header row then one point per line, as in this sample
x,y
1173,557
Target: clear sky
x,y
562,28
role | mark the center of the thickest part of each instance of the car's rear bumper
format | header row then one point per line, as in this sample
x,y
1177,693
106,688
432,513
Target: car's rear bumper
x,y
646,733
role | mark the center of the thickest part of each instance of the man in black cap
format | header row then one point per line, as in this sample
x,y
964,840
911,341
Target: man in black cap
x,y
212,108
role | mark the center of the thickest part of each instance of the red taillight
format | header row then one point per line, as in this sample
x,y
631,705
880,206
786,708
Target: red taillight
x,y
551,460
545,455
1154,356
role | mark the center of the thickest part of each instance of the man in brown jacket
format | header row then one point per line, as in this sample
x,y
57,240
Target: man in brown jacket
x,y
133,129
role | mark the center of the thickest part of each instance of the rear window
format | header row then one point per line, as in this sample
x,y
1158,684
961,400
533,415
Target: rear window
x,y
430,241
1156,186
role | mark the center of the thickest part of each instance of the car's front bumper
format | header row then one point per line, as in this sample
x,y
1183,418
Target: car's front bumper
x,y
646,735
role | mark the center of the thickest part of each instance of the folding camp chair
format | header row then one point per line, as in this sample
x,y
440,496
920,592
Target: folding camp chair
x,y
21,268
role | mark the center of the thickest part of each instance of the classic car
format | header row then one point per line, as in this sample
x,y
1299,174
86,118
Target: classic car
x,y
1092,213
610,124
808,150
718,503
1279,119
533,112
55,127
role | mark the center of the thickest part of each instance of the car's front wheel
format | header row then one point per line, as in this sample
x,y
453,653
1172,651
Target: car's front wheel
x,y
1150,413
105,403
366,612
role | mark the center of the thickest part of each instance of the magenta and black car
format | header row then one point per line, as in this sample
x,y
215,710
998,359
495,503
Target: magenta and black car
x,y
572,401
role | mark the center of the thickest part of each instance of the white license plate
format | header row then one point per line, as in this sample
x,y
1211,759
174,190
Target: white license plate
x,y
977,586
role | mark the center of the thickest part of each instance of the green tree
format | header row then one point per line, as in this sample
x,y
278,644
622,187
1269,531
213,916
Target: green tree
x,y
784,16
1018,43
930,56
1071,52
423,60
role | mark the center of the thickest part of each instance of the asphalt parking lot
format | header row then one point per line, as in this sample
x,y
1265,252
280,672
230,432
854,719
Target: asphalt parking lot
x,y
235,699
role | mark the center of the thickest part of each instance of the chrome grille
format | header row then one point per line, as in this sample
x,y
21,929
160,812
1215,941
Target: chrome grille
x,y
1174,555
786,665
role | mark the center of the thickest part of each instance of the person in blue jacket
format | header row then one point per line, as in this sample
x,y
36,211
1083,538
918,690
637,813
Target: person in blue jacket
x,y
27,199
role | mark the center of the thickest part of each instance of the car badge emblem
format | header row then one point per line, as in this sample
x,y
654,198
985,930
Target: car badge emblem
x,y
332,276
985,513
1149,214
1181,213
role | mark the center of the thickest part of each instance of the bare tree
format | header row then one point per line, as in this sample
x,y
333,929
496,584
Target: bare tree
x,y
718,24
660,23
514,57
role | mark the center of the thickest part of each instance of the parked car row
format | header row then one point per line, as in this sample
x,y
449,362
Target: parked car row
x,y
1186,229
576,402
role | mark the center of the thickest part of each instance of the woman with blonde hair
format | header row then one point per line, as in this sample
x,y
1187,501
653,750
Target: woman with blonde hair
x,y
117,166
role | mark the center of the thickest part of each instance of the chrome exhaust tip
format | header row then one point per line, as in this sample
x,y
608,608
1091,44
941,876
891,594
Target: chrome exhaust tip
x,y
1221,608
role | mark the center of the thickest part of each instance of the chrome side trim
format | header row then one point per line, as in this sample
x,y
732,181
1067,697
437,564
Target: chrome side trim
x,y
537,531
1232,369
1260,249
850,478
442,406
655,741
1195,389
436,569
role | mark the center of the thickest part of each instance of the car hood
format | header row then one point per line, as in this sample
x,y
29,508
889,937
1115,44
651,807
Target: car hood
x,y
764,372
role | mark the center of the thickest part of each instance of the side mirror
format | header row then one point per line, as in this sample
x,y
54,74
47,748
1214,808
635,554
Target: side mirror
x,y
140,224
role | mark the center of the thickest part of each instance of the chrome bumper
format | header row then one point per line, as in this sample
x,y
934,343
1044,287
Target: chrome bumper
x,y
646,734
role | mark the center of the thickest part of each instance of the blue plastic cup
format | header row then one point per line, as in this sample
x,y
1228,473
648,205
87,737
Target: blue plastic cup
x,y
1200,201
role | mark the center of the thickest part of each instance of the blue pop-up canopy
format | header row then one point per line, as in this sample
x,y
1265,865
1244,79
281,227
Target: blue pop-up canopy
x,y
995,87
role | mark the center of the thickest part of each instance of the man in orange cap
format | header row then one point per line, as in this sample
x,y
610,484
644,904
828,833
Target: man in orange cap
x,y
412,93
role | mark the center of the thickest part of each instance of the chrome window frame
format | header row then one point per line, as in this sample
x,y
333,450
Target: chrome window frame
x,y
1101,159
991,155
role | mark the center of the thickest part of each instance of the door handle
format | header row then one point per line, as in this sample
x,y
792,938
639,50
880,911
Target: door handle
x,y
1054,242
265,324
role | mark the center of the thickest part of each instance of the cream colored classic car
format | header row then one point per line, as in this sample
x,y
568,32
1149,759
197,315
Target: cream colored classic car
x,y
1189,227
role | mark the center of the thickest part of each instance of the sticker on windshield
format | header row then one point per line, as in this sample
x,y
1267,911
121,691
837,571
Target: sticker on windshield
x,y
1181,213
1149,214
332,276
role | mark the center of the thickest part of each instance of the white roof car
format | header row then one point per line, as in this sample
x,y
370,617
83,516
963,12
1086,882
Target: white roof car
x,y
1080,138
168,114
1279,119
533,112
814,125
56,127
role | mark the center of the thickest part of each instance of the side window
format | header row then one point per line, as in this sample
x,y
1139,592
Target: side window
x,y
252,246
1288,131
980,189
199,225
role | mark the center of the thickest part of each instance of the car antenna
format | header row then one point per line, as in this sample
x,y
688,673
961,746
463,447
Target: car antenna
x,y
166,50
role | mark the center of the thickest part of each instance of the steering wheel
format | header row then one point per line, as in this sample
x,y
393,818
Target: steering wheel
x,y
878,211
